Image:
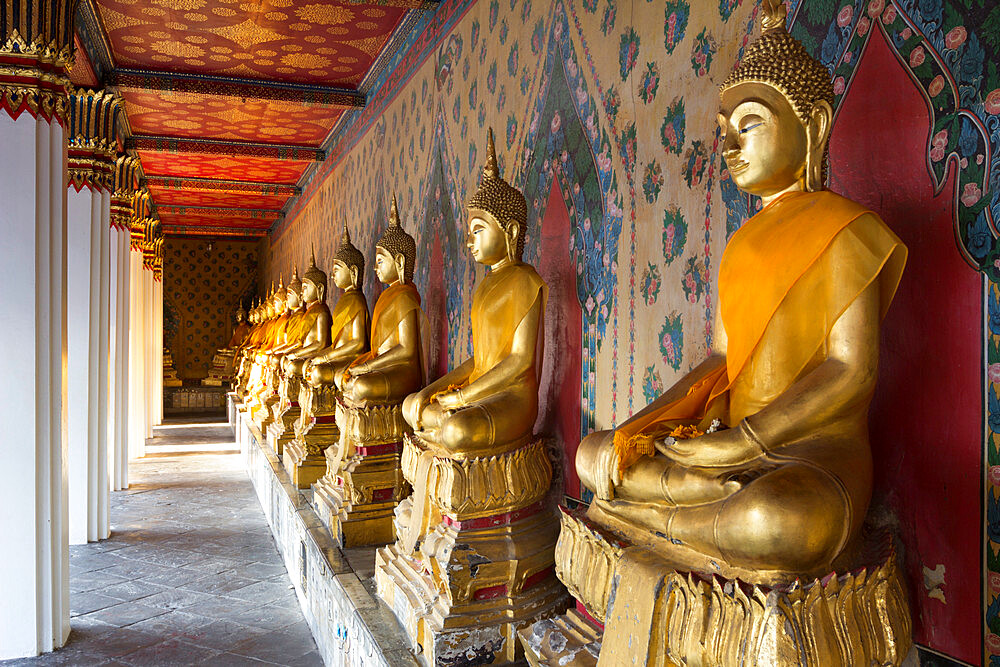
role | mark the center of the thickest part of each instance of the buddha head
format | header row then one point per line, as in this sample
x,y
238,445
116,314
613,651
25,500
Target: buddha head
x,y
395,251
348,263
498,215
776,112
313,282
294,291
241,315
279,299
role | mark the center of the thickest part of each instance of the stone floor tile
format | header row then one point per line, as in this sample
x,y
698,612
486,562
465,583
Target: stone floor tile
x,y
177,598
263,571
88,562
170,652
68,656
264,592
113,642
269,617
89,581
131,590
233,660
277,646
312,659
126,613
222,635
219,584
173,577
85,603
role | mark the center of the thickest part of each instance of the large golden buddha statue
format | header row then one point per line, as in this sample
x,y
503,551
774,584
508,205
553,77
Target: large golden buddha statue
x,y
756,465
473,558
263,384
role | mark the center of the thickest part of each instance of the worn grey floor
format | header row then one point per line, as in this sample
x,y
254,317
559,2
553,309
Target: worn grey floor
x,y
190,575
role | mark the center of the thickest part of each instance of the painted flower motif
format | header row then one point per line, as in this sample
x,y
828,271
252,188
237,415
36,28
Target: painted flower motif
x,y
917,56
650,83
675,23
610,14
473,91
652,385
936,86
672,129
628,52
955,37
845,15
993,643
938,144
512,60
590,5
906,33
992,102
726,8
695,161
538,37
889,15
491,78
494,13
695,280
650,284
970,195
701,53
994,580
839,86
612,103
875,8
674,234
652,181
511,129
993,372
672,340
628,146
863,24
994,475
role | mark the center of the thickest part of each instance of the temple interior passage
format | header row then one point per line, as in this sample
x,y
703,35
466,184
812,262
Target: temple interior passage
x,y
191,574
447,333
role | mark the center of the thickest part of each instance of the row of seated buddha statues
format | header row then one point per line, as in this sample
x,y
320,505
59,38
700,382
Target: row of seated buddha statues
x,y
727,519
220,373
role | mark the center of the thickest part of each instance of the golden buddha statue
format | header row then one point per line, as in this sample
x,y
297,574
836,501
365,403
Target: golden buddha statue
x,y
363,482
349,320
241,330
756,465
221,370
284,303
473,559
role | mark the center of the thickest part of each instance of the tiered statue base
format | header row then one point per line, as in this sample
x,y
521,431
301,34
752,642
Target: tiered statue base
x,y
484,567
284,414
641,609
221,371
363,483
314,430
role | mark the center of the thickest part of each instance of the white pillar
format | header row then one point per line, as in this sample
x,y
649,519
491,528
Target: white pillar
x,y
119,367
157,351
34,586
137,359
102,521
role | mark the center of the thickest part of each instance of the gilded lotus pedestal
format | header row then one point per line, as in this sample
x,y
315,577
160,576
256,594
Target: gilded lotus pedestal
x,y
221,371
314,431
632,603
473,559
363,484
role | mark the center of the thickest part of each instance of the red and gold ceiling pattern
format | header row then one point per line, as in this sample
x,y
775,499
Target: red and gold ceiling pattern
x,y
217,117
163,197
194,165
82,72
228,90
307,42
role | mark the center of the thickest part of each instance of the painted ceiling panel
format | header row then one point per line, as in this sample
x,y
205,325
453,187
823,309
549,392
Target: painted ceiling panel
x,y
241,168
306,42
202,219
165,196
82,73
199,116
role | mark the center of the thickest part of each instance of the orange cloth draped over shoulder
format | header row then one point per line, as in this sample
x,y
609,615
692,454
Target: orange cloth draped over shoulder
x,y
277,333
393,305
505,298
349,305
304,323
774,265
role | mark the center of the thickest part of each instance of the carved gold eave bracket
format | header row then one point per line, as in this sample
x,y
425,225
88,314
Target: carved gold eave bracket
x,y
34,78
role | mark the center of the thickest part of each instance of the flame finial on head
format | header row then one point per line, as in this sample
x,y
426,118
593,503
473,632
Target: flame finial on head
x,y
498,198
349,254
396,241
314,274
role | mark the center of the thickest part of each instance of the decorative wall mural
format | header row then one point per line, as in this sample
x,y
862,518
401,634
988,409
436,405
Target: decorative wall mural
x,y
203,283
606,119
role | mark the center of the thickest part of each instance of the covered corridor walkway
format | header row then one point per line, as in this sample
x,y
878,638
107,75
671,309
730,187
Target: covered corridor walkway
x,y
190,574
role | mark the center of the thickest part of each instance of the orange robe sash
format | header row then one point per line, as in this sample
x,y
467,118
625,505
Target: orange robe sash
x,y
393,305
348,306
770,263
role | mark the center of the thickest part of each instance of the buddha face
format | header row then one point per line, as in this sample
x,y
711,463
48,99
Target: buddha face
x,y
279,303
346,277
765,144
488,241
310,292
293,299
386,268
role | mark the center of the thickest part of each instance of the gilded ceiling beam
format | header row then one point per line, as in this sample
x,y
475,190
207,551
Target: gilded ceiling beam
x,y
214,147
195,230
220,211
219,185
247,89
